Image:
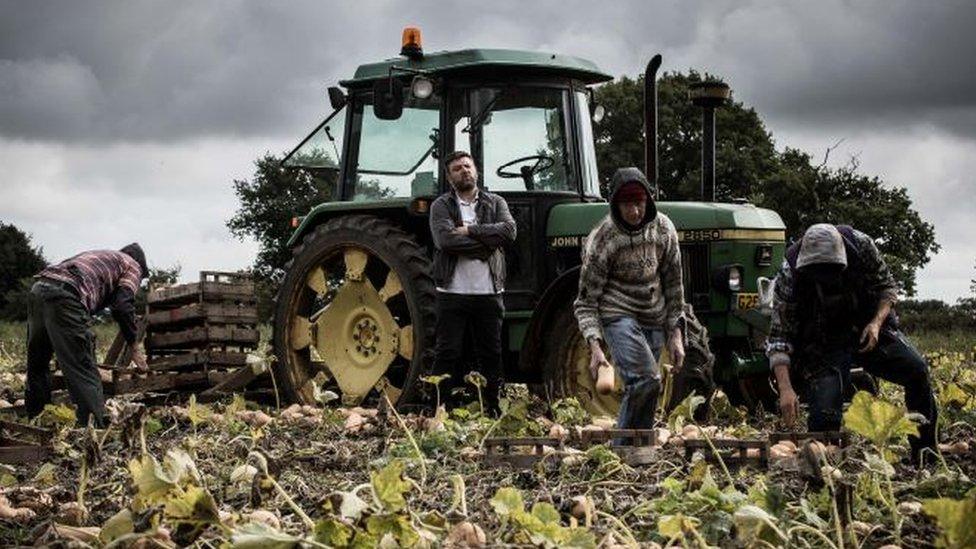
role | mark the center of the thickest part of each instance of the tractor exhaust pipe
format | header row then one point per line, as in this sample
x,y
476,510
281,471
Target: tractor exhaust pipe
x,y
709,96
650,121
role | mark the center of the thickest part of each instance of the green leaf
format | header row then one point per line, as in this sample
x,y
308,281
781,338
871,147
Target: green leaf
x,y
118,525
684,411
435,380
397,526
256,535
333,532
568,412
390,486
753,524
507,501
57,415
877,420
955,519
194,504
7,480
953,395
238,404
197,413
46,475
151,482
153,426
675,526
476,379
545,512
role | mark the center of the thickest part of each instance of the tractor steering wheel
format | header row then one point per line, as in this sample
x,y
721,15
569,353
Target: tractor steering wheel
x,y
527,173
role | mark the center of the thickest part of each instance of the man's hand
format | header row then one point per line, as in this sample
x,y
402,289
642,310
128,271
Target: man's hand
x,y
597,358
462,230
789,406
139,358
676,348
869,337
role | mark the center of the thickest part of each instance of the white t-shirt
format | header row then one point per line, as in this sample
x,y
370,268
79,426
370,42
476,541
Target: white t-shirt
x,y
472,276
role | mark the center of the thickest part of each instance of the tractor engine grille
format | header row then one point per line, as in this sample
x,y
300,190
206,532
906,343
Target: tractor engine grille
x,y
695,275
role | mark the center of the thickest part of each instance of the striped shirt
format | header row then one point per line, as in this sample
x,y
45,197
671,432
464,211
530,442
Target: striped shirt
x,y
102,278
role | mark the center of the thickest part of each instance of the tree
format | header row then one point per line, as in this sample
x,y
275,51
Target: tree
x,y
269,201
748,166
19,261
805,194
744,148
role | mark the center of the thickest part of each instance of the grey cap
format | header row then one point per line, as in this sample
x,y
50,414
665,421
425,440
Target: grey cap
x,y
821,244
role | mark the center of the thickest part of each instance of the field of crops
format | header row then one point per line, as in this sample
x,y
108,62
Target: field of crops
x,y
237,473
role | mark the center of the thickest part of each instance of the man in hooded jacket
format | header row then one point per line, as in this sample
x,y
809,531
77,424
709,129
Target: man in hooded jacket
x,y
60,308
631,296
832,308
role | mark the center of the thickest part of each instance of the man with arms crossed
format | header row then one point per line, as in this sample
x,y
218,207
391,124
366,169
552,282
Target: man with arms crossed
x,y
470,227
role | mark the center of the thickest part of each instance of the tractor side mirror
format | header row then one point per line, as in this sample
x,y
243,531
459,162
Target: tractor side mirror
x,y
336,98
388,99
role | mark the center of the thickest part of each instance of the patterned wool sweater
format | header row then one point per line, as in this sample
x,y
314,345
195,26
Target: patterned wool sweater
x,y
630,274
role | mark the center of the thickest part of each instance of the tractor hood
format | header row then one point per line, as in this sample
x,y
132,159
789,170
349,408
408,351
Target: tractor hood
x,y
568,222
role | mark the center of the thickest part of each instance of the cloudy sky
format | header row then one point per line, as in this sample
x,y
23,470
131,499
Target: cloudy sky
x,y
129,120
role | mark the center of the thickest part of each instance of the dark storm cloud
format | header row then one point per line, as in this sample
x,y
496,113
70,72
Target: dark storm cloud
x,y
159,71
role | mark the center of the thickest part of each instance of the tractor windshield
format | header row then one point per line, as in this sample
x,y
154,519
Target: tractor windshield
x,y
523,137
395,157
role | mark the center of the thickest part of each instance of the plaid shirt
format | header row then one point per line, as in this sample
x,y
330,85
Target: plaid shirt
x,y
785,321
102,278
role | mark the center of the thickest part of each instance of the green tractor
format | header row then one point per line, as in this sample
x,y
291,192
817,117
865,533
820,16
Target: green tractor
x,y
355,312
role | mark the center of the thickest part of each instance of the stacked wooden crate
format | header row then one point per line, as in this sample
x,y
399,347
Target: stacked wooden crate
x,y
196,335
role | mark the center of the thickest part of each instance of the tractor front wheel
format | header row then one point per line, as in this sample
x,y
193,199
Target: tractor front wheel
x,y
355,311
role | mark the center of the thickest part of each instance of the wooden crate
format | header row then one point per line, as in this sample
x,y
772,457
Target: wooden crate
x,y
200,313
733,452
198,335
203,337
214,287
499,450
21,443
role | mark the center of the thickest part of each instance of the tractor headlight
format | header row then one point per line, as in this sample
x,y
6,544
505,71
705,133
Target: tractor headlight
x,y
422,87
735,278
727,278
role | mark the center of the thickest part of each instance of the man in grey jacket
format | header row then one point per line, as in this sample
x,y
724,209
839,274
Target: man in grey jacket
x,y
470,227
631,295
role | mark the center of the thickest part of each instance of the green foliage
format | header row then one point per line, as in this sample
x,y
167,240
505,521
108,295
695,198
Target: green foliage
x,y
684,412
748,166
19,261
744,148
268,202
255,535
956,520
390,486
568,412
56,415
541,526
878,420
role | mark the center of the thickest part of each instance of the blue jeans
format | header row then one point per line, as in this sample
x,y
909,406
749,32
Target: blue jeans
x,y
635,350
894,359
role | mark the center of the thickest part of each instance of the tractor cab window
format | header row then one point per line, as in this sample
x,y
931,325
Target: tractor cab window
x,y
523,137
320,154
591,175
396,157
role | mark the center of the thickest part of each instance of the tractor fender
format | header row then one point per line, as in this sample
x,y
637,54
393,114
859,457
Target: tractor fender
x,y
563,290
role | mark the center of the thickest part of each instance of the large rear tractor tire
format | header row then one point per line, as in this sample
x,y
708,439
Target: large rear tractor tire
x,y
355,312
565,366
